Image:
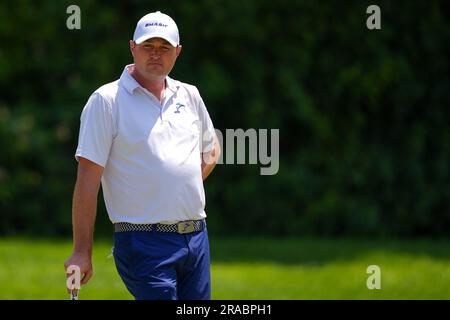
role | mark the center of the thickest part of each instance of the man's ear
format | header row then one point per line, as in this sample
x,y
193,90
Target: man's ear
x,y
132,46
179,50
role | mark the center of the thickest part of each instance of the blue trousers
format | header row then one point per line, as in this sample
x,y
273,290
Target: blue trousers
x,y
163,265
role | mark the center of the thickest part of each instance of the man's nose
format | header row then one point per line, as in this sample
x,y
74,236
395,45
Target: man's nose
x,y
154,56
155,53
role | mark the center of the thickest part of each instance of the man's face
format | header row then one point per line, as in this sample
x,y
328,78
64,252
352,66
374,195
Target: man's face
x,y
154,57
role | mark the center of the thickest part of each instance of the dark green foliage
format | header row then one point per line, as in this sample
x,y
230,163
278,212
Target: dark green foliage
x,y
363,115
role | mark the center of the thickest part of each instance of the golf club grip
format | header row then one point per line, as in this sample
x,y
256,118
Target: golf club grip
x,y
73,295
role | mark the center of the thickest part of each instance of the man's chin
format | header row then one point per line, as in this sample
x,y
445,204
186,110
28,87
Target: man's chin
x,y
155,70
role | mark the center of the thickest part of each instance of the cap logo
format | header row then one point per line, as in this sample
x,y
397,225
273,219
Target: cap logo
x,y
159,24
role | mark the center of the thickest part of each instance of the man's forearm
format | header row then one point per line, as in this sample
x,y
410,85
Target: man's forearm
x,y
209,159
207,169
84,211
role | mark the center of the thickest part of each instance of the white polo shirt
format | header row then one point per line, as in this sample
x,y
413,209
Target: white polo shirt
x,y
150,151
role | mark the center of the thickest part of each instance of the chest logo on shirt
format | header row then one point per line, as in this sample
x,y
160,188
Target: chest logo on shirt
x,y
178,106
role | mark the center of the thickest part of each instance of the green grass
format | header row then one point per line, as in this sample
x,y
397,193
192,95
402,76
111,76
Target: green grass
x,y
249,268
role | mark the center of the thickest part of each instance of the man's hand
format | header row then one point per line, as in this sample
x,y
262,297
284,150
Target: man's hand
x,y
209,159
84,262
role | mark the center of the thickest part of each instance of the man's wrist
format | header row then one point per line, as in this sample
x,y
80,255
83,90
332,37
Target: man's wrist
x,y
82,251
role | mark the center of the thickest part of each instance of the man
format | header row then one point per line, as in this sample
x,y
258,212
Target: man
x,y
150,141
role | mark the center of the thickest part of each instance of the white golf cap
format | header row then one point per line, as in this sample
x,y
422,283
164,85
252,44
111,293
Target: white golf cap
x,y
157,25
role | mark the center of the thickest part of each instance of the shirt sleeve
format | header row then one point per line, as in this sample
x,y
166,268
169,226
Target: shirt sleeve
x,y
207,128
96,131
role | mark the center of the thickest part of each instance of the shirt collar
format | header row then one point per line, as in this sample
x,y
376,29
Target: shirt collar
x,y
130,84
172,84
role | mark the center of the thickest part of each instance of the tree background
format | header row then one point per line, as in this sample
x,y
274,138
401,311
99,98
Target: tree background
x,y
363,114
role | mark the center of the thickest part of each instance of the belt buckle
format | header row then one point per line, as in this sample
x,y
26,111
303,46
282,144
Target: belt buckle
x,y
185,227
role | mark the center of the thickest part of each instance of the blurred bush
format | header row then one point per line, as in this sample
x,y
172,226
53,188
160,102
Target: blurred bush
x,y
363,115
